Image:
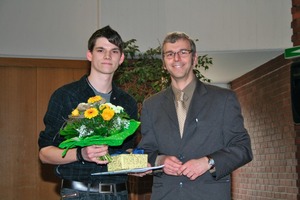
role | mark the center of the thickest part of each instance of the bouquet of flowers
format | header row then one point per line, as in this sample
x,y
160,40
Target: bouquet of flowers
x,y
96,123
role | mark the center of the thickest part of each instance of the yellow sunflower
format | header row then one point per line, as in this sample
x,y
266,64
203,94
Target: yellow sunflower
x,y
107,114
90,113
94,99
75,113
104,106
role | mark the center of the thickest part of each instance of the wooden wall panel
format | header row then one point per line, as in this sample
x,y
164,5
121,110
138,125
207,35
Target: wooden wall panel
x,y
17,132
26,88
49,79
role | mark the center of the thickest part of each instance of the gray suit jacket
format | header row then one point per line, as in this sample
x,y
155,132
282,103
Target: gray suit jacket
x,y
214,126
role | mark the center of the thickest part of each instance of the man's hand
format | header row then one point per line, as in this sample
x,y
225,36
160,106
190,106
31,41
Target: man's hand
x,y
171,165
94,152
194,168
141,174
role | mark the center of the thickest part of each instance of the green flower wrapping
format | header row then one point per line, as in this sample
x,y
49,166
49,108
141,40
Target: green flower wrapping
x,y
97,123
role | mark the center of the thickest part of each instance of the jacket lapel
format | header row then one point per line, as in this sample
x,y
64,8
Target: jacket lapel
x,y
168,105
197,104
197,101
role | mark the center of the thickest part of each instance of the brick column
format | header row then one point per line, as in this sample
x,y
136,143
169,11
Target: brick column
x,y
295,25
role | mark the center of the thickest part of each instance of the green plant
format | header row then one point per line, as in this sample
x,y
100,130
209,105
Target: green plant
x,y
142,74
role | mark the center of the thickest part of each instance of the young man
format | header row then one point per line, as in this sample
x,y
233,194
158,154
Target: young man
x,y
105,52
199,155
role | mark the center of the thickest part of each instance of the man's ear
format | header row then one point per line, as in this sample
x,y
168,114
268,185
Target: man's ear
x,y
89,55
164,65
121,59
195,60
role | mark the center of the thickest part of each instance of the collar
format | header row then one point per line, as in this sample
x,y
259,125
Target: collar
x,y
188,90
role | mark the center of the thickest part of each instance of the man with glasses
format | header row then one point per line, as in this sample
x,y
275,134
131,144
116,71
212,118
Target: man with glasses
x,y
194,129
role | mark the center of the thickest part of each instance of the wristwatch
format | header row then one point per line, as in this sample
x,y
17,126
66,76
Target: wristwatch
x,y
211,162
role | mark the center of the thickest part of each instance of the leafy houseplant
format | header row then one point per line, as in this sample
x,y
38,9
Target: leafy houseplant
x,y
142,74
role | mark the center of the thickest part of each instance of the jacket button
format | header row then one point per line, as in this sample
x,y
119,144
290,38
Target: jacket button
x,y
181,157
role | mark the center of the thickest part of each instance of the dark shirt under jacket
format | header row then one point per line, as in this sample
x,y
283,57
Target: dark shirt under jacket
x,y
61,104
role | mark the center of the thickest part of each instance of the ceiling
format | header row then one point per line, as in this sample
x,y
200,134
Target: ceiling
x,y
229,65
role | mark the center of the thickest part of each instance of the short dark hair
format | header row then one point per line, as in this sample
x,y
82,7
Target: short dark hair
x,y
110,34
175,36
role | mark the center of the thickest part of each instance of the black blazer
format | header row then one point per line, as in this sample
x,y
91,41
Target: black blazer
x,y
214,126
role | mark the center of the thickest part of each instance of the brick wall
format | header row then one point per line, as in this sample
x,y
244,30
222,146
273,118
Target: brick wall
x,y
265,98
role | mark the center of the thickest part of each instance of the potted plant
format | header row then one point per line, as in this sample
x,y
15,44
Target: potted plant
x,y
142,74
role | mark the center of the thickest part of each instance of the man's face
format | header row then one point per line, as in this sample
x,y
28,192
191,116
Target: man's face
x,y
178,59
105,57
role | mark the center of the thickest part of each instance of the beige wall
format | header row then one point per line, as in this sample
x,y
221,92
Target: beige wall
x,y
60,29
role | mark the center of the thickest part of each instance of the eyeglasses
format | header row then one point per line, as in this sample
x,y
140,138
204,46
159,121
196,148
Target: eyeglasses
x,y
183,53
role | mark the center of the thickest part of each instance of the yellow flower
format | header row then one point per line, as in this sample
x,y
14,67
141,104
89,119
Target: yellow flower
x,y
94,99
104,106
90,113
75,113
107,114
